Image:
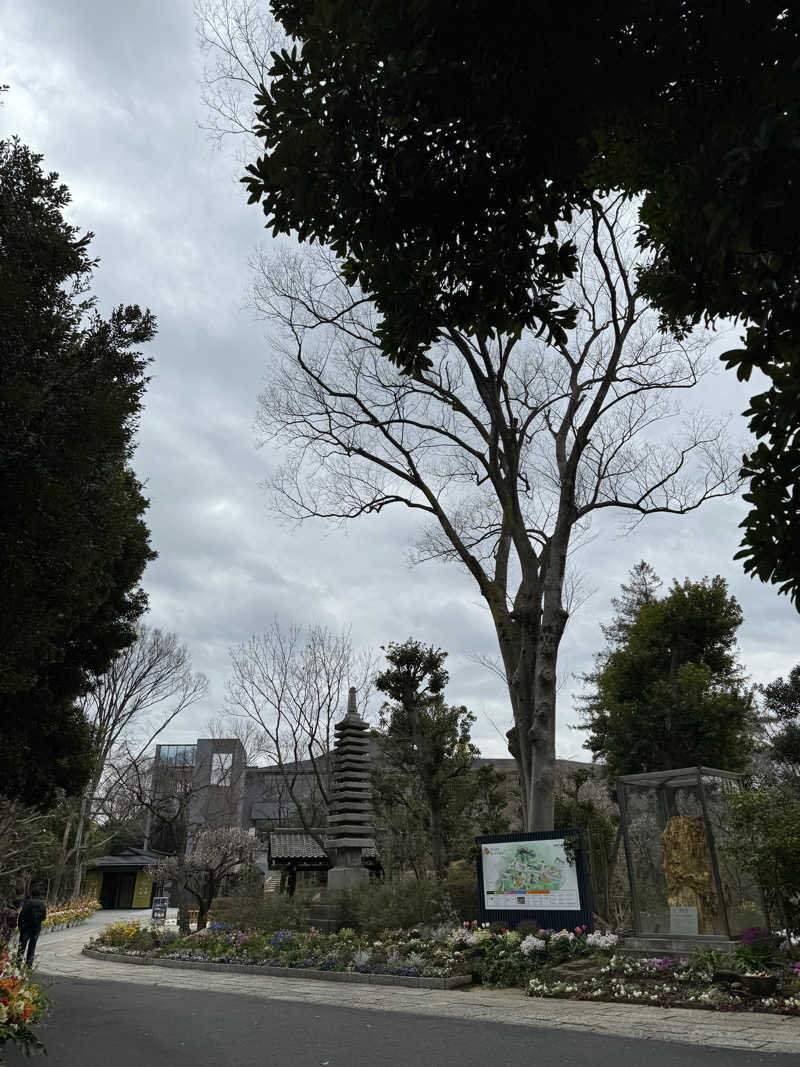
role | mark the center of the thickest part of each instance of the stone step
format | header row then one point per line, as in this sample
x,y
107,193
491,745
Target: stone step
x,y
272,883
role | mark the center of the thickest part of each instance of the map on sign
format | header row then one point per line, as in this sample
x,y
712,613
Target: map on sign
x,y
529,874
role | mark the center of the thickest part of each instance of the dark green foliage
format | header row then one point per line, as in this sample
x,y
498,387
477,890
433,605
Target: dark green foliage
x,y
429,790
400,904
436,156
73,543
575,806
248,909
780,720
758,950
671,694
461,887
501,964
642,589
764,841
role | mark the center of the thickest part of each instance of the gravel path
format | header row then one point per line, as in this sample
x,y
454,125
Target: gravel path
x,y
59,954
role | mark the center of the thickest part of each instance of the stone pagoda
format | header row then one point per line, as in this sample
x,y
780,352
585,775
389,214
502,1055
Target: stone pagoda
x,y
350,816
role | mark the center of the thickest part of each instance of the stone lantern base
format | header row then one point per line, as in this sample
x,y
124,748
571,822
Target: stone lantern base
x,y
344,879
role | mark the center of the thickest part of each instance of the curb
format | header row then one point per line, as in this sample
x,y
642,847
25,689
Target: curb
x,y
355,977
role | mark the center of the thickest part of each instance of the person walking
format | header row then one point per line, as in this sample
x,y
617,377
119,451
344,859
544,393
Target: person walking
x,y
31,916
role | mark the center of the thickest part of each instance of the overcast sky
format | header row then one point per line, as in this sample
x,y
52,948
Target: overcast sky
x,y
109,93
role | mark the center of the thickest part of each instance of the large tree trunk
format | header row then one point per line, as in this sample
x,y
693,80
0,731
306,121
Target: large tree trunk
x,y
63,859
83,817
437,839
529,639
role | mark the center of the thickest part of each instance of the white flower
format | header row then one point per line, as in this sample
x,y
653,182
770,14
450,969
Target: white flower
x,y
532,944
601,941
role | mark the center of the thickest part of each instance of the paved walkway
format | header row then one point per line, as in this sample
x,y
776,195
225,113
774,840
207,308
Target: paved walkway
x,y
60,954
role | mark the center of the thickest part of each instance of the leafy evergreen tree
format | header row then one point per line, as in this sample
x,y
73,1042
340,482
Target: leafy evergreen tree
x,y
671,693
429,778
780,721
764,834
642,589
73,543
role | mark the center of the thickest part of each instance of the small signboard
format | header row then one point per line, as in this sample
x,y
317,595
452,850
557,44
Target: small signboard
x,y
160,905
683,920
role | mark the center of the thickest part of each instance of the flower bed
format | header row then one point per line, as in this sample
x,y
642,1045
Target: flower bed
x,y
708,980
400,954
22,1006
74,913
573,964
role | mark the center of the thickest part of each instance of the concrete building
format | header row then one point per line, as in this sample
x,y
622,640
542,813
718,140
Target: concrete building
x,y
209,784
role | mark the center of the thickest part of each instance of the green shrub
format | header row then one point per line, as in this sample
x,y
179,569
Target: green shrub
x,y
398,904
561,949
267,912
461,886
501,964
758,949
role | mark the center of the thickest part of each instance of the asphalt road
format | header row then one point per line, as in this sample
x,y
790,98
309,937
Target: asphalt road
x,y
114,1024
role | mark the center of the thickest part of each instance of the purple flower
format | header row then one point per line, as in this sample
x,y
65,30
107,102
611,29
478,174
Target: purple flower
x,y
753,934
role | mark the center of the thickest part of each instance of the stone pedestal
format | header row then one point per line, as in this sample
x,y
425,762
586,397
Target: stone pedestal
x,y
344,879
326,915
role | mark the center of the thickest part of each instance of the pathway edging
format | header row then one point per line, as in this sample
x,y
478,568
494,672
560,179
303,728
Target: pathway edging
x,y
356,977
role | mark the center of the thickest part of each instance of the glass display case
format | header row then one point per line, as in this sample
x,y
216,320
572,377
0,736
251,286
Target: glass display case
x,y
676,830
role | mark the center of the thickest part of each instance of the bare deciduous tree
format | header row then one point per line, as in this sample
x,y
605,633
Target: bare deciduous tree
x,y
293,686
236,38
146,687
507,444
215,854
24,836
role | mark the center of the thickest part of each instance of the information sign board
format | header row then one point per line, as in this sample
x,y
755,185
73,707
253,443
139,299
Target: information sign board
x,y
535,875
683,920
540,875
160,905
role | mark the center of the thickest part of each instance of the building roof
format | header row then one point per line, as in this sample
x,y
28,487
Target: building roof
x,y
295,844
677,778
128,858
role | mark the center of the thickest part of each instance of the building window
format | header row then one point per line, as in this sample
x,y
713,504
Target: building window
x,y
176,755
221,767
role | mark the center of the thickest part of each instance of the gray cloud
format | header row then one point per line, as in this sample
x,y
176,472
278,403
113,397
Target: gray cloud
x,y
109,93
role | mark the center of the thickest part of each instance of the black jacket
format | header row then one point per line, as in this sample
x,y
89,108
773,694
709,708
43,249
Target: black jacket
x,y
32,913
